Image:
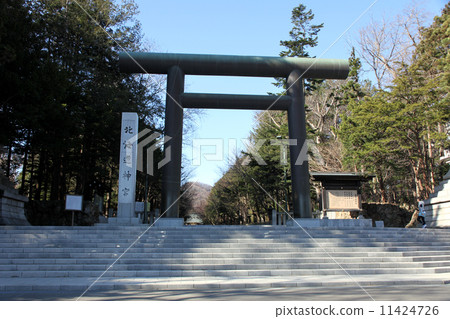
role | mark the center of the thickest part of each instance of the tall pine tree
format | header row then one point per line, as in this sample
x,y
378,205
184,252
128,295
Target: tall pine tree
x,y
303,36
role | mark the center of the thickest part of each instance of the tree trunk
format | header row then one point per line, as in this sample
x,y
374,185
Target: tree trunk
x,y
46,182
30,181
110,191
8,161
55,178
24,165
384,197
62,178
417,182
431,161
40,175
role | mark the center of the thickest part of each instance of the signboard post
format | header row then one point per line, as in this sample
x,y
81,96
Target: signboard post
x,y
74,203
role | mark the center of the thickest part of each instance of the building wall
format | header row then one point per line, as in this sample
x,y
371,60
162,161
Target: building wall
x,y
437,205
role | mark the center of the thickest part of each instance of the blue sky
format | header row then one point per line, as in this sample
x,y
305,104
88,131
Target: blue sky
x,y
248,28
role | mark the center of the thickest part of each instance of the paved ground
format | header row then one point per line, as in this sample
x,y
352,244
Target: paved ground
x,y
357,287
175,283
386,293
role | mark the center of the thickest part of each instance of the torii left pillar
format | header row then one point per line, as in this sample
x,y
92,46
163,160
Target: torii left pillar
x,y
171,174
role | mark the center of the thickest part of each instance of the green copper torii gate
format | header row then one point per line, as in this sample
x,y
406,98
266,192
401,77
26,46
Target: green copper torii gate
x,y
177,65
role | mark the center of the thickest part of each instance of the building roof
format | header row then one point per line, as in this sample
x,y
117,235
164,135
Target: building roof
x,y
340,176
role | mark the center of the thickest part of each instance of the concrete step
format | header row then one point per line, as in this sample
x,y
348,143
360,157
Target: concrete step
x,y
217,252
248,258
294,233
194,231
187,239
220,272
220,266
260,244
219,230
234,253
242,246
221,243
207,243
291,259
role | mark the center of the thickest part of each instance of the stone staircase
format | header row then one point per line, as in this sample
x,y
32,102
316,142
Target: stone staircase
x,y
118,257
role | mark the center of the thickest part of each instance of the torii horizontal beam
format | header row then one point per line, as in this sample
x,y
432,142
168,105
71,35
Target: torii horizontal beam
x,y
209,64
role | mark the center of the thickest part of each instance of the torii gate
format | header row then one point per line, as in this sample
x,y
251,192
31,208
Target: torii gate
x,y
177,65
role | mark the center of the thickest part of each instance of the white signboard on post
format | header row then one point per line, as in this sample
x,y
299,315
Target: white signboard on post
x,y
342,200
74,202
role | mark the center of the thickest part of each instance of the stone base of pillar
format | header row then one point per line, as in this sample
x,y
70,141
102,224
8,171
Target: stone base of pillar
x,y
125,210
169,223
124,221
332,223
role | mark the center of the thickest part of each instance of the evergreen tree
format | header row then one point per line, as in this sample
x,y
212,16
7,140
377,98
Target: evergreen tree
x,y
61,110
16,75
303,36
398,134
